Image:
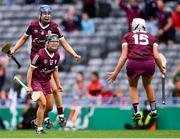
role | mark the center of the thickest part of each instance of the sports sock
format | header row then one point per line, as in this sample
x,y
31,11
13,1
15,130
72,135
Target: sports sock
x,y
136,107
60,112
153,105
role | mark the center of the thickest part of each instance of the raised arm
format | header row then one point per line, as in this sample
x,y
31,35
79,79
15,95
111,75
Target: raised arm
x,y
69,49
123,5
19,43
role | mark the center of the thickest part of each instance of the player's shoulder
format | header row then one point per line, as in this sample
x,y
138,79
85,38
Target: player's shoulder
x,y
128,34
41,52
53,24
34,23
38,55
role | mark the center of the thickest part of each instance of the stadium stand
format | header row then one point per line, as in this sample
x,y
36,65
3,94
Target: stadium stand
x,y
100,51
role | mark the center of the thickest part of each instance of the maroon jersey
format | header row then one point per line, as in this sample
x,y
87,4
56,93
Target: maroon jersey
x,y
45,63
140,45
39,33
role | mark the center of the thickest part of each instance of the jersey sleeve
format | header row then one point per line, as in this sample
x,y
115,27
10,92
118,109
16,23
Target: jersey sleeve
x,y
29,30
36,61
56,64
124,39
59,32
154,41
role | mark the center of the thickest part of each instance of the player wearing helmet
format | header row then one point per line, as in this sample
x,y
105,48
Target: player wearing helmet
x,y
38,30
43,65
141,50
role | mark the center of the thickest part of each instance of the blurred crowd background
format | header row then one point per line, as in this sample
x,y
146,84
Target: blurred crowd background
x,y
94,28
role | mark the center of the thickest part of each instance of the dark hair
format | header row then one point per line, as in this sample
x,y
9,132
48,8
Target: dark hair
x,y
81,73
95,73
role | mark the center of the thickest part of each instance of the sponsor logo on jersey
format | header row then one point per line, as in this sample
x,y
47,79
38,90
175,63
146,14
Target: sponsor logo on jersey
x,y
47,71
42,32
36,40
45,61
49,32
51,62
55,62
35,31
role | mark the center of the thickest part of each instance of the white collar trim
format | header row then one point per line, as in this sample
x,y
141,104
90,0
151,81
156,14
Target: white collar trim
x,y
43,27
50,55
139,31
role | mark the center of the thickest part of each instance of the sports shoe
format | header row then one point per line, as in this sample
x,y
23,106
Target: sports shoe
x,y
154,114
136,116
62,121
33,123
40,131
48,124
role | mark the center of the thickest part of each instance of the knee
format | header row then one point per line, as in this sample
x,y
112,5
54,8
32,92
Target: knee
x,y
55,92
42,105
146,81
146,84
133,85
133,82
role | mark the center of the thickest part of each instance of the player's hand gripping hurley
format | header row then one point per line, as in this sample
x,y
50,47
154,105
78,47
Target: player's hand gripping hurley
x,y
6,49
34,95
164,62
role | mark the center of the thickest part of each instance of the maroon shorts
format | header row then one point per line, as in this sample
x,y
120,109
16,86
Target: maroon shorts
x,y
137,68
43,86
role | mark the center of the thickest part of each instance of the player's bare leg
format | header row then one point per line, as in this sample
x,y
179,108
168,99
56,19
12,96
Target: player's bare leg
x,y
150,94
49,107
58,101
40,113
134,94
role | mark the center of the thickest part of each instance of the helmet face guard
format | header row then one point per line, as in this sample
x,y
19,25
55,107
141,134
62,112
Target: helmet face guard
x,y
52,38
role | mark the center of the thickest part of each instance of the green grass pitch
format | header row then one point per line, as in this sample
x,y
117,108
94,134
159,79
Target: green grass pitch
x,y
92,134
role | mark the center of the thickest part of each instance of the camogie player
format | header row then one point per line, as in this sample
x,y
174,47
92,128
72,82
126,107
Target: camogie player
x,y
141,50
43,65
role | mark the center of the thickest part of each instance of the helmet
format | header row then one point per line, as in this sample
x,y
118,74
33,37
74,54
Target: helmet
x,y
50,38
138,24
45,8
